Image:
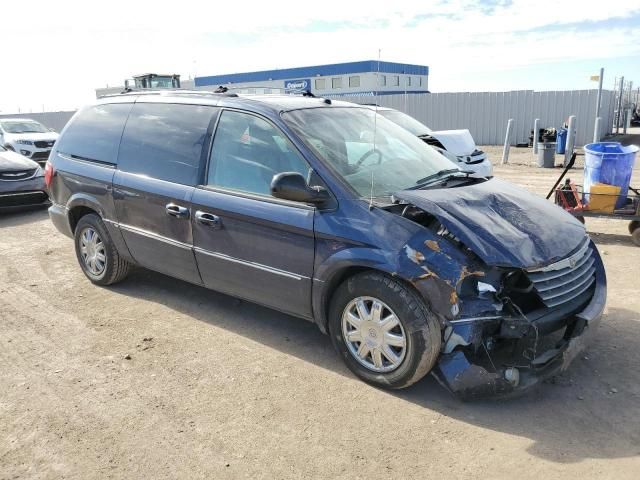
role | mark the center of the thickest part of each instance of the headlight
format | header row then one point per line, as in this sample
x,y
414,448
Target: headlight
x,y
24,142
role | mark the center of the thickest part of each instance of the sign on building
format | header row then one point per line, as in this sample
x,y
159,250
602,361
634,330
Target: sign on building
x,y
301,84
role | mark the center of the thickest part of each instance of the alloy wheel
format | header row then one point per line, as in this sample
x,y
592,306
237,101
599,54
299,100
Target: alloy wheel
x,y
92,251
373,334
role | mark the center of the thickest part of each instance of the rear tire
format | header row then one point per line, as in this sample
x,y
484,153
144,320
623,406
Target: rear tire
x,y
97,255
413,343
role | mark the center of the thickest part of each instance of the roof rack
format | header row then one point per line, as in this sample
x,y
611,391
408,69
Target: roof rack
x,y
223,91
285,90
206,92
166,91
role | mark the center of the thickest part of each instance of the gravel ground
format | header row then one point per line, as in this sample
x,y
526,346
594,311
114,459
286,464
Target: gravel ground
x,y
155,378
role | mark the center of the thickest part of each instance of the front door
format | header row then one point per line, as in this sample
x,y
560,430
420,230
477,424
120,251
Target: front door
x,y
248,243
162,156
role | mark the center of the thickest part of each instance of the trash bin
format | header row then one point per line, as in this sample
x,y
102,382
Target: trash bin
x,y
547,155
562,141
609,163
546,135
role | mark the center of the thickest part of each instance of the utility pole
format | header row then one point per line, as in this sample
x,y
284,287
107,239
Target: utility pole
x,y
596,130
507,142
571,140
536,127
599,101
620,93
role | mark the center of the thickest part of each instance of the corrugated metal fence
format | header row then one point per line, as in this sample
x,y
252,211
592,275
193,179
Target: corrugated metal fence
x,y
55,120
485,114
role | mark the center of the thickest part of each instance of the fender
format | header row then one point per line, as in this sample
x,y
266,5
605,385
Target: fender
x,y
433,266
329,273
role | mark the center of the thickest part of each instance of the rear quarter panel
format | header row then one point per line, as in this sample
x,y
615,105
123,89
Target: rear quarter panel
x,y
79,183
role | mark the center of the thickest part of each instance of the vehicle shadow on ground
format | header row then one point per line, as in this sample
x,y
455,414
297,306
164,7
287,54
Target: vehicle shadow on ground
x,y
590,411
611,239
23,216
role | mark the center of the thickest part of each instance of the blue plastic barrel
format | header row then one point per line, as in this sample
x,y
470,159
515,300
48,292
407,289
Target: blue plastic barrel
x,y
561,140
610,163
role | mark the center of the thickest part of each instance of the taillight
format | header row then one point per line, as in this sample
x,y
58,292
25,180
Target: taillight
x,y
48,174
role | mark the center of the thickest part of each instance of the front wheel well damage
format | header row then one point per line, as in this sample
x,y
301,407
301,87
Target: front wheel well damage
x,y
341,276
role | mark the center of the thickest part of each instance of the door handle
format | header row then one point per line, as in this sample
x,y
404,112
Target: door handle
x,y
208,219
176,210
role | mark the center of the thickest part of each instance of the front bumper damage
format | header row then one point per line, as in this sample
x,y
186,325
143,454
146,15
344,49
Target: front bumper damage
x,y
469,376
539,291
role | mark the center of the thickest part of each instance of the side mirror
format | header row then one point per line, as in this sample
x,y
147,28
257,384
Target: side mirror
x,y
292,186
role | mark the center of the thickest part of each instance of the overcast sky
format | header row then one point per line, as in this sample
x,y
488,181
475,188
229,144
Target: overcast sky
x,y
55,53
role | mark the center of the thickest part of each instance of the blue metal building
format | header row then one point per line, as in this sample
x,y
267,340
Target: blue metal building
x,y
367,78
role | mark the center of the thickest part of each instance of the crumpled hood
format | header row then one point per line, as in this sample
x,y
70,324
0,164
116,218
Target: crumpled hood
x,y
503,224
458,142
12,161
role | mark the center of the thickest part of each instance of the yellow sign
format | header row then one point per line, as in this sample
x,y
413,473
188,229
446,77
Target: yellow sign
x,y
595,78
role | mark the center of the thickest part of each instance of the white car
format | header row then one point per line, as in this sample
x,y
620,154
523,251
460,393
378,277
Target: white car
x,y
27,137
457,145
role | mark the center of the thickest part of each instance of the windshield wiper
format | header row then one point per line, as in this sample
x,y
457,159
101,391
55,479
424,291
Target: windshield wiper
x,y
436,176
441,176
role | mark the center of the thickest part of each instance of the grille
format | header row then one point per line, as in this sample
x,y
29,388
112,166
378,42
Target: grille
x,y
17,175
44,143
37,156
567,279
16,199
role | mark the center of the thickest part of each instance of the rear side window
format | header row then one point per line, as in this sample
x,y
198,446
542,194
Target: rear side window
x,y
94,133
165,141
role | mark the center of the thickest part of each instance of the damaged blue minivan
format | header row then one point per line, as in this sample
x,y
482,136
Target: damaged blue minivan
x,y
328,211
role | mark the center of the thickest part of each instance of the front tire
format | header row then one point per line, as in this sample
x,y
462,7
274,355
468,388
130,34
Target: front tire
x,y
383,330
97,255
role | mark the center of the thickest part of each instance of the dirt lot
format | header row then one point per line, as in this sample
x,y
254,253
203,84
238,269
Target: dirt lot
x,y
155,378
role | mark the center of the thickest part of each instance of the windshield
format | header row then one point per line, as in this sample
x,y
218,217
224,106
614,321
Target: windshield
x,y
406,122
23,126
373,155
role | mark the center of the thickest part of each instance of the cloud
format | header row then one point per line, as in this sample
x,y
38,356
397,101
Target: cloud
x,y
72,47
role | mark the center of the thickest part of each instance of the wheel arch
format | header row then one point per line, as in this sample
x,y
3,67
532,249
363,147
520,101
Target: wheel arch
x,y
80,205
327,287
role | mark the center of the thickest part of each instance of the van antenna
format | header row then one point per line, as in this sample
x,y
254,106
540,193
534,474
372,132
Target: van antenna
x,y
375,123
